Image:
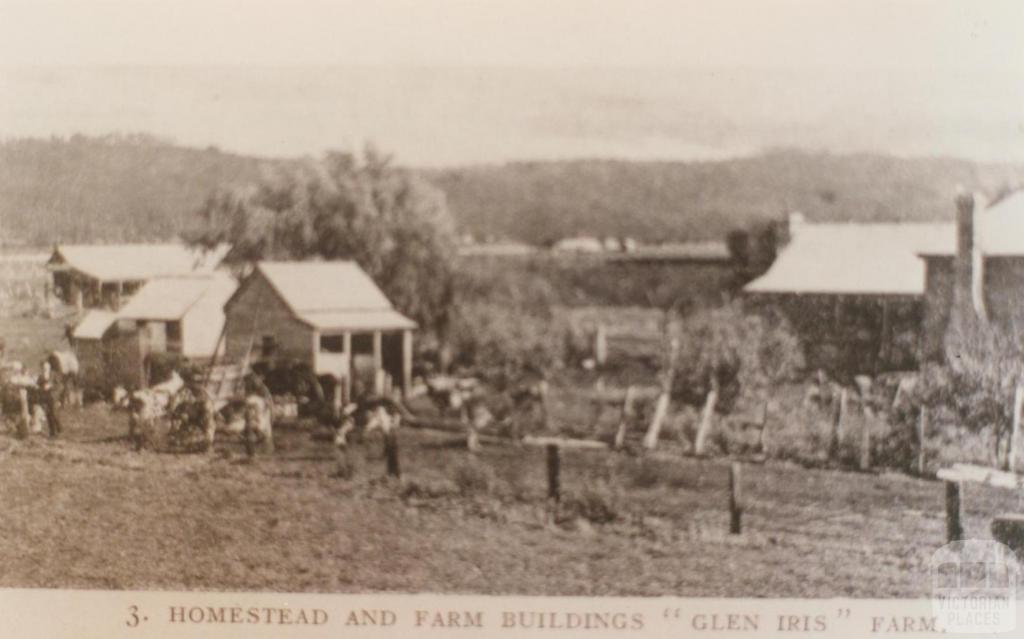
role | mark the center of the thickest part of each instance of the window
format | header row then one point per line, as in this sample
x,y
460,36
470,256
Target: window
x,y
332,343
174,336
268,345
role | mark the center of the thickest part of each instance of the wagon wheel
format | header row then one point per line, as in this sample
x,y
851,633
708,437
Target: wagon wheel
x,y
185,417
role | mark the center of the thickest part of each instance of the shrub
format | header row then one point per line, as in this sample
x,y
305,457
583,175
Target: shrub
x,y
472,478
735,353
647,473
599,503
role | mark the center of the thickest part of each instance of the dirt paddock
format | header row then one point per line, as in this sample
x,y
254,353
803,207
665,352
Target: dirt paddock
x,y
86,511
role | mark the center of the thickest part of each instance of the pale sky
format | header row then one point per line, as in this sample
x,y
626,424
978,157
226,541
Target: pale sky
x,y
833,34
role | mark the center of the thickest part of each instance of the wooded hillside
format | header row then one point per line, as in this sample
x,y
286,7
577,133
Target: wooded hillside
x,y
135,187
655,201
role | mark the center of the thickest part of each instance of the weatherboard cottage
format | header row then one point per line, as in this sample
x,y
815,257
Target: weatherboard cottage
x,y
328,315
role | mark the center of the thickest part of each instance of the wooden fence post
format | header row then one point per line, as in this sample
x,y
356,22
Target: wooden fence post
x,y
654,431
1018,407
554,473
249,435
661,407
23,414
391,452
601,344
626,418
837,426
954,511
865,446
922,433
735,499
707,414
472,433
762,439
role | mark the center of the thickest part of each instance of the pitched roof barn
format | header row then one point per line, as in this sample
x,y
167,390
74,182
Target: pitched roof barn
x,y
883,259
855,259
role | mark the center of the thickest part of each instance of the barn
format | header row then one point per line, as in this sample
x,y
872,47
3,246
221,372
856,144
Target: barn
x,y
854,293
328,315
105,275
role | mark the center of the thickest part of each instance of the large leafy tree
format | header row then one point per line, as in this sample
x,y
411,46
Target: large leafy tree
x,y
342,206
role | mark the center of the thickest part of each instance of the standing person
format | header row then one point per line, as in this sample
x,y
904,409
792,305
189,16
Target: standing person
x,y
47,388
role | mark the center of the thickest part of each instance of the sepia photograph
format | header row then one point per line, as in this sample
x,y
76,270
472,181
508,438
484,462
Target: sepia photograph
x,y
561,299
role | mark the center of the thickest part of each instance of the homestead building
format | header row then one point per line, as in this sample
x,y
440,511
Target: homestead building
x,y
327,315
106,275
869,298
177,316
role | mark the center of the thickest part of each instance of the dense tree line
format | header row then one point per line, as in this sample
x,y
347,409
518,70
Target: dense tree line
x,y
136,187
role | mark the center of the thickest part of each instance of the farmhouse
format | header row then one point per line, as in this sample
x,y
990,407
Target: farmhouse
x,y
181,316
328,315
105,275
853,292
876,297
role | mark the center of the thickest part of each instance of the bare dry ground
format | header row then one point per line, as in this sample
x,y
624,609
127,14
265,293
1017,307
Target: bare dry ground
x,y
87,512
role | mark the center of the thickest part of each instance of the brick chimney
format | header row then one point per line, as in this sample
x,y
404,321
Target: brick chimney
x,y
968,266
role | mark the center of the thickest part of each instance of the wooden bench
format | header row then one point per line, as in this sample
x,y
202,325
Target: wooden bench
x,y
1007,528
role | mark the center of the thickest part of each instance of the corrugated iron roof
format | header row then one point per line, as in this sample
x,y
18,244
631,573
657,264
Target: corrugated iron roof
x,y
855,259
333,295
170,298
94,324
134,262
358,320
324,286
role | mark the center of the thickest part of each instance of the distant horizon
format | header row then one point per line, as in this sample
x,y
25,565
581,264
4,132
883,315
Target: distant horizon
x,y
435,117
754,154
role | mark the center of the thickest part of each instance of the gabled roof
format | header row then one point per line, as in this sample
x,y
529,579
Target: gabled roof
x,y
334,295
855,259
135,262
170,298
94,324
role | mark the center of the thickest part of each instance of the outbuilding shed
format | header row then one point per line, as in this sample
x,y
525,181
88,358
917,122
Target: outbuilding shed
x,y
329,315
181,315
107,357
